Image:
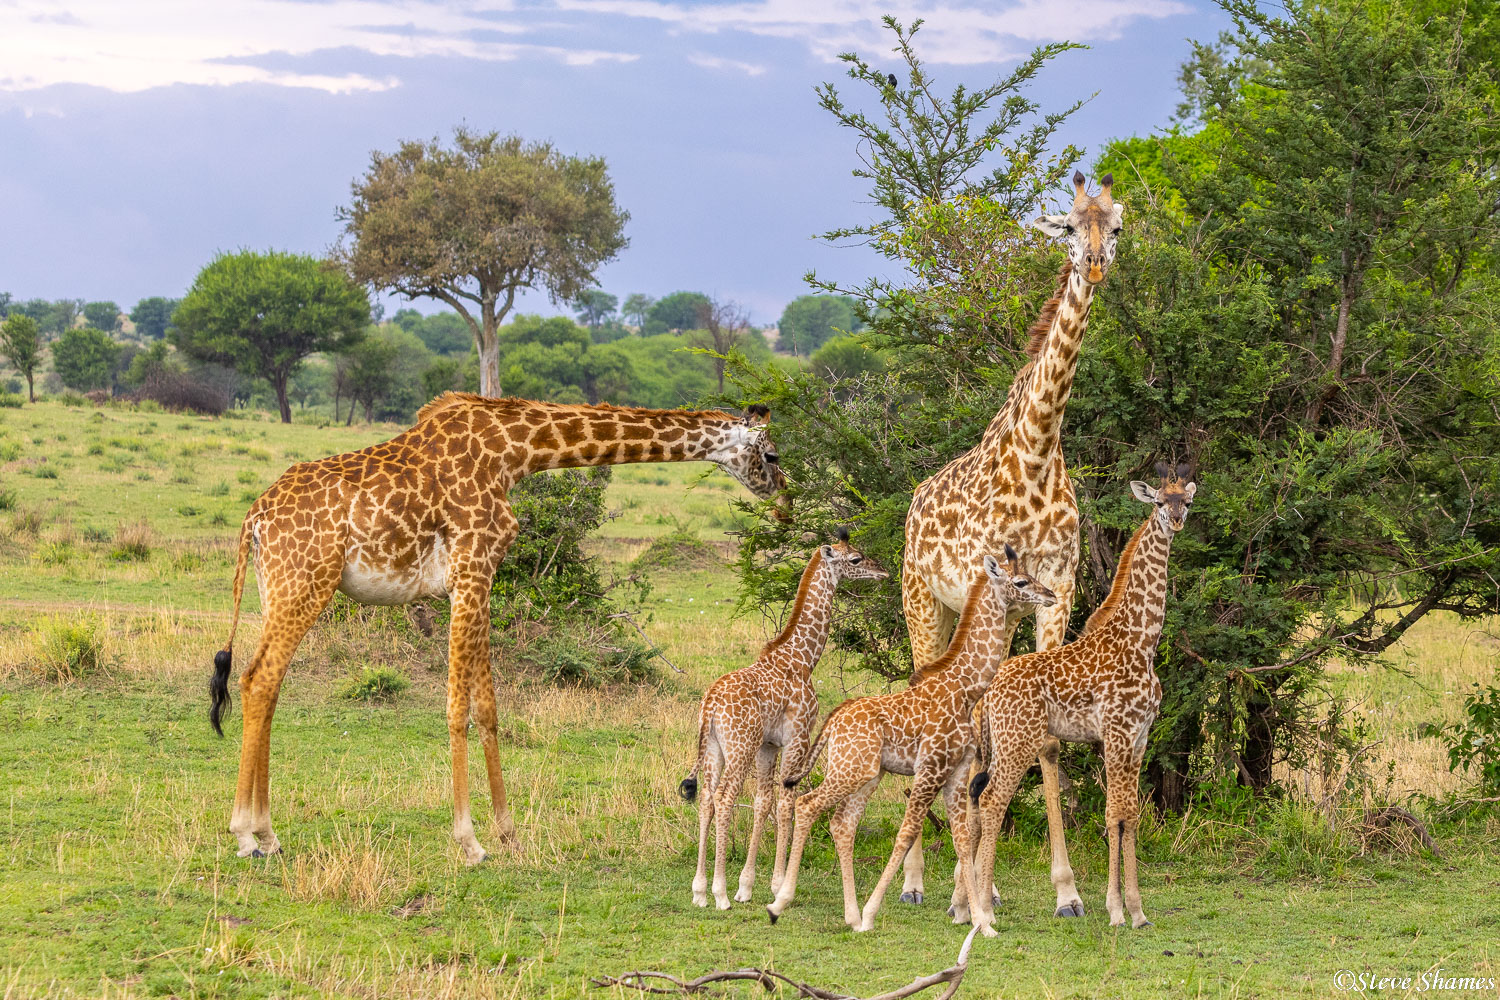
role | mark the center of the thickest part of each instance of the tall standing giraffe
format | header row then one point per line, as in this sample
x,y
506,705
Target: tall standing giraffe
x,y
425,515
750,716
1013,487
1100,688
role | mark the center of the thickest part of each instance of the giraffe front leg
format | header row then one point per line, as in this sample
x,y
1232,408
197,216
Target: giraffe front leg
x,y
792,758
1051,631
1005,773
1128,779
468,651
956,798
765,801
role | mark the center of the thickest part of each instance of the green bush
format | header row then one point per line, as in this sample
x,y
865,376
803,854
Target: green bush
x,y
67,650
375,684
7,499
45,472
10,451
11,400
97,535
57,553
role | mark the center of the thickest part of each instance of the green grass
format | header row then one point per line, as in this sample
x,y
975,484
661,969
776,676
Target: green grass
x,y
119,878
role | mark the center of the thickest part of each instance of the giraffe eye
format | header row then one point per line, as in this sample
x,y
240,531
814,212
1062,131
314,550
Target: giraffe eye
x,y
856,560
1071,230
1023,583
1115,231
772,457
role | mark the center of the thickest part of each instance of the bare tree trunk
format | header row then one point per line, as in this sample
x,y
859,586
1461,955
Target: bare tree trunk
x,y
1336,356
279,383
30,386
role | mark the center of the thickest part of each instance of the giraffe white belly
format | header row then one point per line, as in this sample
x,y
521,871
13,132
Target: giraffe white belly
x,y
368,582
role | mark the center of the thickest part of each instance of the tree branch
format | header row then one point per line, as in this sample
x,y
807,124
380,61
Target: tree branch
x,y
767,978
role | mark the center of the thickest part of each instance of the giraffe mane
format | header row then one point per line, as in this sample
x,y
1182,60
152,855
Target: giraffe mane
x,y
1043,324
453,400
1104,612
797,605
961,633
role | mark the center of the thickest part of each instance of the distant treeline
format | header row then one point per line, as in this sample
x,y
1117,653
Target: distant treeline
x,y
648,352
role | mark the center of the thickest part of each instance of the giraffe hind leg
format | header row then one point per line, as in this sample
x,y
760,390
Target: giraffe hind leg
x,y
260,687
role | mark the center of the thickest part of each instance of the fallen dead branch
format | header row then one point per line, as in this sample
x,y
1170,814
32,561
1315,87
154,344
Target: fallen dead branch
x,y
769,978
1383,819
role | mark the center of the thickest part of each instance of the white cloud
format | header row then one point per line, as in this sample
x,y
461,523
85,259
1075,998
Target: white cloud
x,y
717,62
154,43
957,31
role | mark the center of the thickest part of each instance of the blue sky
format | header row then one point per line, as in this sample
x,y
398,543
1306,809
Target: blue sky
x,y
139,138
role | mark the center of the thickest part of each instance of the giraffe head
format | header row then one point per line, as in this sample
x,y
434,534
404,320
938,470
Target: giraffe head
x,y
1172,498
1016,589
749,455
848,563
1089,230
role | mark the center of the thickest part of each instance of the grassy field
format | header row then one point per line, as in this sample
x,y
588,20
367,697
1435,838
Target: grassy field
x,y
118,878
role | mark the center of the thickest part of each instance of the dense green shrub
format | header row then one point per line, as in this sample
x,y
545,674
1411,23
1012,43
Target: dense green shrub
x,y
550,588
68,649
376,683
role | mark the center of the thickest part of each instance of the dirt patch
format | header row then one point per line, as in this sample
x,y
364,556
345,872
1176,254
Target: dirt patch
x,y
413,906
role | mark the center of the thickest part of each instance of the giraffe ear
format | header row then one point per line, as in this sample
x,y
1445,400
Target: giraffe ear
x,y
757,413
992,566
828,552
1190,489
1051,225
1143,492
1119,216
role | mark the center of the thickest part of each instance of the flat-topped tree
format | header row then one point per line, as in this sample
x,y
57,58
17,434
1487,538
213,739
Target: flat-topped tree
x,y
474,223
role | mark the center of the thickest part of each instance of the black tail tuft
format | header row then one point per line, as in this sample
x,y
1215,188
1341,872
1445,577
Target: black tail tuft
x,y
789,783
977,786
218,690
688,789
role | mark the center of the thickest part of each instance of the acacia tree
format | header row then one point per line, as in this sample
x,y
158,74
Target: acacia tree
x,y
21,342
475,223
264,313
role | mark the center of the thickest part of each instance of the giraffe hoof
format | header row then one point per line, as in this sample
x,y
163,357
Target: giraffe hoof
x,y
914,898
743,896
1069,910
1144,923
772,914
257,853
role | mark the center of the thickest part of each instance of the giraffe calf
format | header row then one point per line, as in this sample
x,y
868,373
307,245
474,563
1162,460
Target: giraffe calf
x,y
925,731
768,708
1099,688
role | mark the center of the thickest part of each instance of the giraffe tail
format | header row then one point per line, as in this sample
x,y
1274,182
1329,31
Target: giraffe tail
x,y
793,780
689,787
977,785
218,684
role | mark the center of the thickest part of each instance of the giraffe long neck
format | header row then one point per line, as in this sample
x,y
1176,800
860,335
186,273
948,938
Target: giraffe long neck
x,y
1038,424
1137,600
801,642
968,666
556,436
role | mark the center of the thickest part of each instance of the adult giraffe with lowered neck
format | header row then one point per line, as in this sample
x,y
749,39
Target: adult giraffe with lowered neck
x,y
425,515
1013,488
